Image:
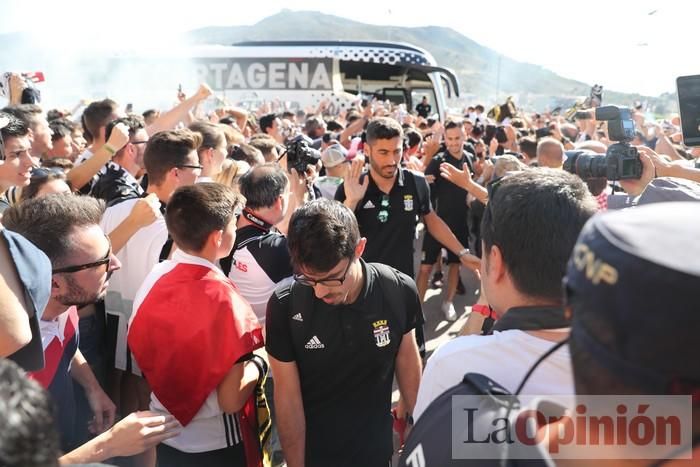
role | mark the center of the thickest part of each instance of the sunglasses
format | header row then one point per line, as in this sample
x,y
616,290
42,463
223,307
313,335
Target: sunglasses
x,y
80,267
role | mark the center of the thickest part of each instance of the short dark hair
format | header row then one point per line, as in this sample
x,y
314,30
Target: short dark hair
x,y
313,123
49,222
383,128
149,113
248,153
59,130
168,149
333,125
528,145
28,437
212,134
265,145
454,123
195,211
133,122
413,137
321,234
262,185
24,112
534,218
97,115
15,128
36,182
266,121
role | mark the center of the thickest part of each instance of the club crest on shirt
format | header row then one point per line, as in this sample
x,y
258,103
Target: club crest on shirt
x,y
381,333
408,202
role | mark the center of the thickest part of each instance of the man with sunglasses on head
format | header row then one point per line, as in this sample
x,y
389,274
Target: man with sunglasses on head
x,y
118,180
335,338
66,229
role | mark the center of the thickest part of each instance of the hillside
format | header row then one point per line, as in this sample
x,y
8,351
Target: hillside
x,y
477,66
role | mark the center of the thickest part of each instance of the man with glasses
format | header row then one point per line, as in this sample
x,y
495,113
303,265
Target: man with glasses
x,y
15,158
335,339
117,180
171,161
67,229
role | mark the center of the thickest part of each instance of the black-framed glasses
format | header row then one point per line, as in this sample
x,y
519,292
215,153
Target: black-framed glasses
x,y
303,280
189,166
81,267
383,214
138,142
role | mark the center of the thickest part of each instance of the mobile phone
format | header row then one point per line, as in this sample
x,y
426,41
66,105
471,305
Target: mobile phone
x,y
688,88
582,115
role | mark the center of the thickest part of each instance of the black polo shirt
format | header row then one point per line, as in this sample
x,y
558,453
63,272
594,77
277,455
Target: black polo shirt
x,y
345,355
450,199
391,242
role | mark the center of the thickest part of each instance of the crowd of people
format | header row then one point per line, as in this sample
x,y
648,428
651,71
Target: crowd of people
x,y
242,288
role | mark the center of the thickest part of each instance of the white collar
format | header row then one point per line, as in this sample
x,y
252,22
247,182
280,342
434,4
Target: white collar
x,y
181,257
54,328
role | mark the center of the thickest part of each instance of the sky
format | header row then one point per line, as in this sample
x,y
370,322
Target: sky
x,y
630,46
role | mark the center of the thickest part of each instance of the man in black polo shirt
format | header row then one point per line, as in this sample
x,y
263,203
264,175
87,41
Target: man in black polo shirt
x,y
388,202
451,206
423,109
335,338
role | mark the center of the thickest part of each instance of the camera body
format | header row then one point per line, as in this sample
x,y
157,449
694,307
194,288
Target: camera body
x,y
620,122
300,155
621,161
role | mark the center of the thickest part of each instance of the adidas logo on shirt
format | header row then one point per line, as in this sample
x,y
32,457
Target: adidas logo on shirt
x,y
297,317
368,205
314,343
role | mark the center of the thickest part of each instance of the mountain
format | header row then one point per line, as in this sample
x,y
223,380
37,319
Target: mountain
x,y
477,66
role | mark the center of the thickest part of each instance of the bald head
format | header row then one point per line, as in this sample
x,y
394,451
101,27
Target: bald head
x,y
550,153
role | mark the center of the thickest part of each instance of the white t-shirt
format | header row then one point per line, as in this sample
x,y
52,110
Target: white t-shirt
x,y
87,154
137,257
505,357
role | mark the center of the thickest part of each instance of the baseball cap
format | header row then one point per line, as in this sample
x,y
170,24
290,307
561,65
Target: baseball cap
x,y
632,286
34,271
333,155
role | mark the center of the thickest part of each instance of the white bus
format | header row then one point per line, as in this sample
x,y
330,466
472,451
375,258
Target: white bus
x,y
303,73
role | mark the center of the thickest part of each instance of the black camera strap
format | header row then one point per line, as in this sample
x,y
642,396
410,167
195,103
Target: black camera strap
x,y
257,222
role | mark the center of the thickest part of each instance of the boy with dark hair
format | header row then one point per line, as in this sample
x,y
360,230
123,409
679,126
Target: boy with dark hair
x,y
207,377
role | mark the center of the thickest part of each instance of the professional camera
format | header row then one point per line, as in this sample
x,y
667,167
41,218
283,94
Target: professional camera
x,y
621,161
300,155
